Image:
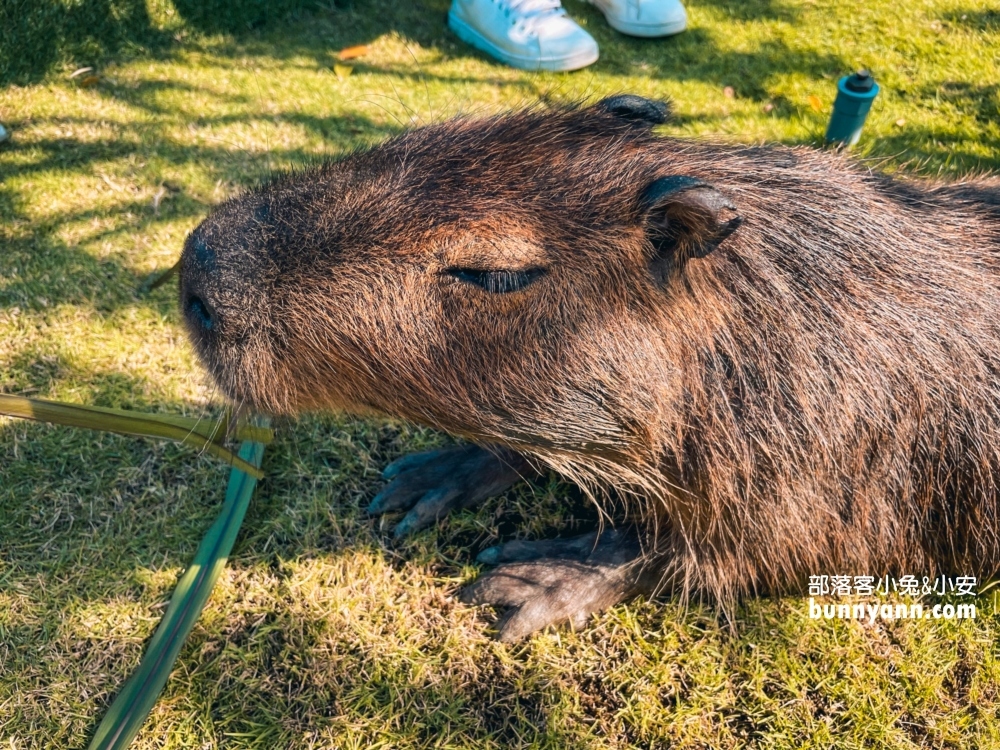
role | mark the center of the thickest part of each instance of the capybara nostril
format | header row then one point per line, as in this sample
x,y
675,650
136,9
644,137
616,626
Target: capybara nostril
x,y
200,313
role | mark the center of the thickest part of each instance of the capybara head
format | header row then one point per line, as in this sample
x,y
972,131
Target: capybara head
x,y
496,278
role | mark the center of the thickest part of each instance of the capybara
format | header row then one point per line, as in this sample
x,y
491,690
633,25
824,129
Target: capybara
x,y
779,361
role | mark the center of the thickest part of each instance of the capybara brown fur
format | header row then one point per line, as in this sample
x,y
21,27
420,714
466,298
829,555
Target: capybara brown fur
x,y
783,362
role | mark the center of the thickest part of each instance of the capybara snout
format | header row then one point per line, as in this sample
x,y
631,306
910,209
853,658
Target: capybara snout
x,y
226,296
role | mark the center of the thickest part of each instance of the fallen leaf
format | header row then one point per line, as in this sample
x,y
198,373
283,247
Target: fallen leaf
x,y
111,183
342,71
729,92
815,103
349,53
157,198
89,82
769,107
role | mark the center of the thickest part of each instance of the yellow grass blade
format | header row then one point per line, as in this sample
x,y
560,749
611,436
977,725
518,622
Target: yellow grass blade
x,y
197,433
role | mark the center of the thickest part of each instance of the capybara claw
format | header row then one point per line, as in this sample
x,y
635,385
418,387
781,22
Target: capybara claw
x,y
547,592
431,484
584,576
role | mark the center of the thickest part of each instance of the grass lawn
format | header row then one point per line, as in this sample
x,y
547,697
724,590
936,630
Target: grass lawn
x,y
322,633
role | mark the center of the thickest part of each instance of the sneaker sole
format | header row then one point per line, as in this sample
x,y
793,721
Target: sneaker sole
x,y
642,29
472,37
647,30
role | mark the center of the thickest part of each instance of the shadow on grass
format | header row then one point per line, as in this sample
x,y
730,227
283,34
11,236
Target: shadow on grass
x,y
982,101
951,148
36,35
39,269
977,20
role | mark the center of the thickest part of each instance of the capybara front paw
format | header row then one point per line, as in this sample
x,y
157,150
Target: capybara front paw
x,y
559,581
431,484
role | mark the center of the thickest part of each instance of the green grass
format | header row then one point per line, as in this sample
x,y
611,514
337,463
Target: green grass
x,y
321,633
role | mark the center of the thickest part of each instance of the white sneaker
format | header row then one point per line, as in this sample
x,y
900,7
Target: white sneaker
x,y
644,17
529,34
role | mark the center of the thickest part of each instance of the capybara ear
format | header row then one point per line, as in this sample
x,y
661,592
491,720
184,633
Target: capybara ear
x,y
684,219
635,109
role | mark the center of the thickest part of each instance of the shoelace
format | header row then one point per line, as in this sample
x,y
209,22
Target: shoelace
x,y
531,13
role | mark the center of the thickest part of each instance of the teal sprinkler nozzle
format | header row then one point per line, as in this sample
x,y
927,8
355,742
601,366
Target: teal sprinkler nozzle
x,y
855,94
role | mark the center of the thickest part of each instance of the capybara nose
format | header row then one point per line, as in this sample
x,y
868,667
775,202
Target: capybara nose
x,y
198,267
199,313
204,255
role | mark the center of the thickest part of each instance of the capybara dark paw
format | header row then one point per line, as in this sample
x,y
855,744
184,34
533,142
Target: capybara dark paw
x,y
558,581
431,484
